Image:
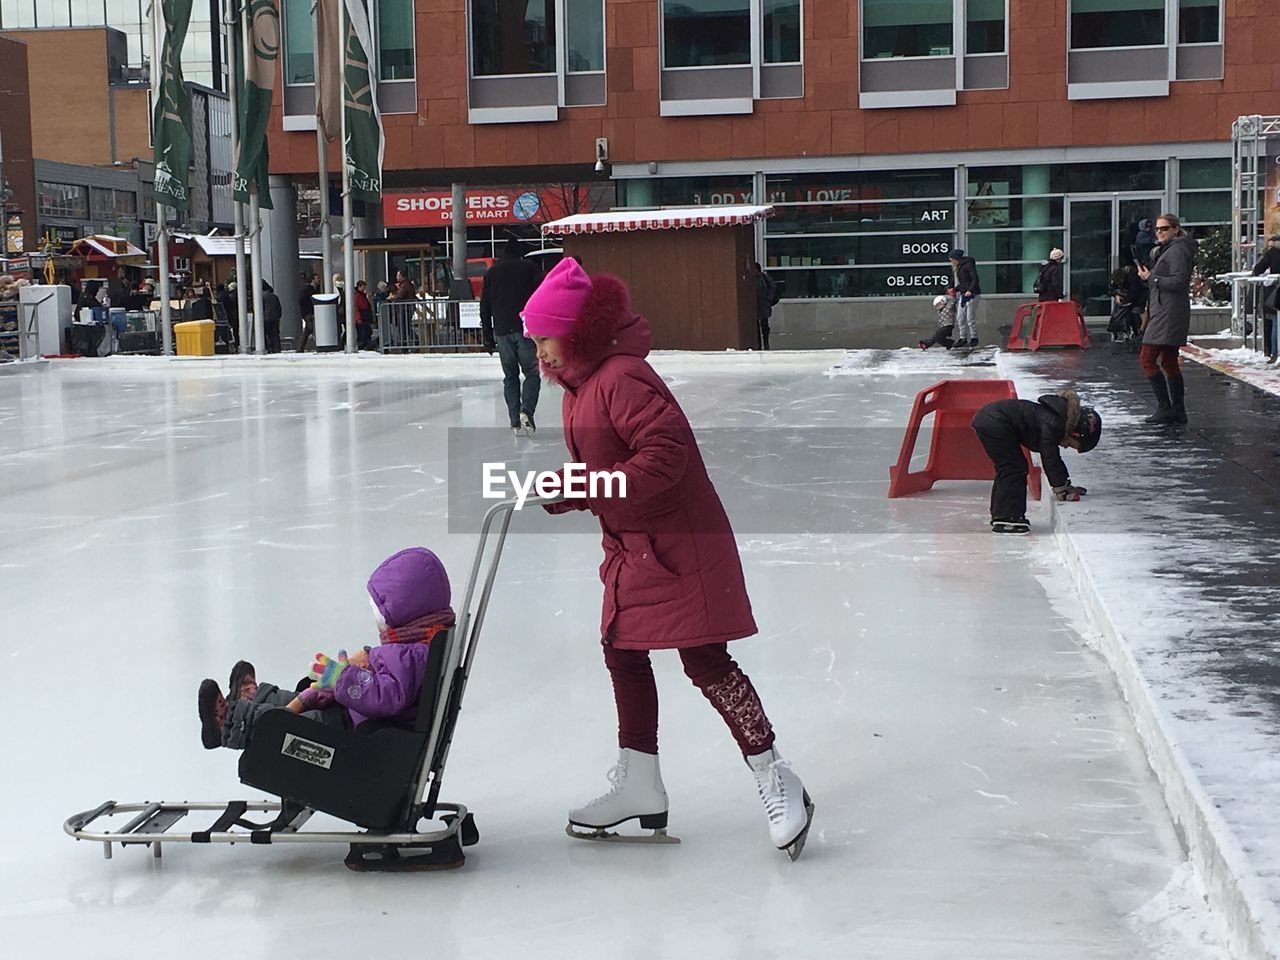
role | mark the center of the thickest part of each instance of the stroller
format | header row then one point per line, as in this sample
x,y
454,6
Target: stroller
x,y
386,782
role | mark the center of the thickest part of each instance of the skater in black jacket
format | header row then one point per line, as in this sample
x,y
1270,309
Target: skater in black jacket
x,y
1053,421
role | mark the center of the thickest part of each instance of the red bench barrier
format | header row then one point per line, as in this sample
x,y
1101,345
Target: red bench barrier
x,y
955,452
1053,323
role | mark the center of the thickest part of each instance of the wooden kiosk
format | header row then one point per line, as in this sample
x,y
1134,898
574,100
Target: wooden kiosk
x,y
689,269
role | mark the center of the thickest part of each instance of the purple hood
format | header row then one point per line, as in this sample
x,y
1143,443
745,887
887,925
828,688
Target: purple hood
x,y
409,585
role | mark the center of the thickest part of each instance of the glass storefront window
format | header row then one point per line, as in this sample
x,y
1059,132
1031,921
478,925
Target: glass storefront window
x,y
1116,23
395,40
991,211
706,33
907,28
984,26
781,31
676,191
62,200
102,203
1198,21
1208,207
1206,174
584,22
298,47
860,185
864,217
1067,178
512,39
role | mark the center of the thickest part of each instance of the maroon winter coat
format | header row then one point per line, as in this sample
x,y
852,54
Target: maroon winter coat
x,y
671,573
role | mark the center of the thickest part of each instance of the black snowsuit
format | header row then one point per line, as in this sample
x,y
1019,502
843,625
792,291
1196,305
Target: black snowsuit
x,y
1049,281
1005,427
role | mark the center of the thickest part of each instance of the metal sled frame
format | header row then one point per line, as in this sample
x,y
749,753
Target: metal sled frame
x,y
369,849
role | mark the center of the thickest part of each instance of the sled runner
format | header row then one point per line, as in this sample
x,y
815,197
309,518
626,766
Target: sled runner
x,y
382,782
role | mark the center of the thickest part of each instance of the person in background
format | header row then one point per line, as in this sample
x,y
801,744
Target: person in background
x,y
1005,427
1049,281
508,284
364,317
1168,317
1129,299
404,288
272,311
202,305
1143,243
969,289
768,293
1269,265
307,307
945,304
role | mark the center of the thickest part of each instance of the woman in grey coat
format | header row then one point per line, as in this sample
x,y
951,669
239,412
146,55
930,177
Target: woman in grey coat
x,y
1168,317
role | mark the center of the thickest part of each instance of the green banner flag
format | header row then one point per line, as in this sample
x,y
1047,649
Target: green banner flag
x,y
363,149
255,100
171,120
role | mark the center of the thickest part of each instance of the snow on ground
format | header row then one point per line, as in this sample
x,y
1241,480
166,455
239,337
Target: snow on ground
x,y
980,790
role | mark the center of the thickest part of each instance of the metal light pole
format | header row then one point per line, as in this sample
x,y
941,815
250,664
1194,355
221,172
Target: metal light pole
x,y
230,17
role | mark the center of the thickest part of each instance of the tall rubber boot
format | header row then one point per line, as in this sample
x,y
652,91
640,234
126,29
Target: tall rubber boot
x,y
1177,393
1164,409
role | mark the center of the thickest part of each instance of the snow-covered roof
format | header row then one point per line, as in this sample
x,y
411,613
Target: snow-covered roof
x,y
108,246
220,246
671,218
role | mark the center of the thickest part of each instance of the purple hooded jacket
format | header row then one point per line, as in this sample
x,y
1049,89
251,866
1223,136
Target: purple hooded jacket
x,y
409,589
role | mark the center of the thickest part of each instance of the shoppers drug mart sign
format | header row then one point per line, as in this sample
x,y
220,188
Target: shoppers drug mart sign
x,y
434,208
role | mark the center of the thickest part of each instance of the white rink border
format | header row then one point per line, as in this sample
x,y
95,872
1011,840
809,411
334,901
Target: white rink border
x,y
1232,886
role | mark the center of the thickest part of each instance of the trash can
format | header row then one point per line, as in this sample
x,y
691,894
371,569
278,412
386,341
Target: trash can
x,y
194,338
326,321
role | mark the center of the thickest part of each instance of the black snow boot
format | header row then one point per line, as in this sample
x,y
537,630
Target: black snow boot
x,y
1177,394
1164,409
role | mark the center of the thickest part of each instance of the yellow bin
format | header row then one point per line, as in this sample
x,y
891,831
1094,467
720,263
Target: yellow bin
x,y
195,338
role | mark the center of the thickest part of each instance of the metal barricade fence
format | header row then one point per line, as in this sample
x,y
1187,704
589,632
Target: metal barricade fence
x,y
424,326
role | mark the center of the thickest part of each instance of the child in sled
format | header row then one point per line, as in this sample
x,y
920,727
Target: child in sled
x,y
946,307
409,592
1044,425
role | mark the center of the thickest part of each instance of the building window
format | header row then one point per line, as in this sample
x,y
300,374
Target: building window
x,y
861,234
782,31
395,40
512,37
63,200
897,28
984,26
1204,192
102,203
706,33
584,23
1117,23
299,43
126,207
1199,21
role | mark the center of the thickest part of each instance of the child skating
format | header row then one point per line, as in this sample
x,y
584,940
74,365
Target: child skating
x,y
672,576
1005,427
946,307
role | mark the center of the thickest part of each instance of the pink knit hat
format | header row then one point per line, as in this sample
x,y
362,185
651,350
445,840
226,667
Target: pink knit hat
x,y
554,307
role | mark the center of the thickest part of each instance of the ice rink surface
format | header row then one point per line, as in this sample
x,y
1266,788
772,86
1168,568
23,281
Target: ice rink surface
x,y
980,791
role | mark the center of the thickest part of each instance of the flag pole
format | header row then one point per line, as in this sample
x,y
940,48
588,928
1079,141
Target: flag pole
x,y
162,211
348,228
322,159
230,17
255,220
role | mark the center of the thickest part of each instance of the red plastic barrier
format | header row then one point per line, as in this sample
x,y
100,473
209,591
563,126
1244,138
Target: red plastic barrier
x,y
955,452
1054,323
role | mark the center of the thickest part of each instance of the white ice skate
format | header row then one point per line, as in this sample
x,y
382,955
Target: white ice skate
x,y
785,801
527,426
637,794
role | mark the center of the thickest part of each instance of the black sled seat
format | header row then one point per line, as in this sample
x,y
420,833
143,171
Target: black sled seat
x,y
367,776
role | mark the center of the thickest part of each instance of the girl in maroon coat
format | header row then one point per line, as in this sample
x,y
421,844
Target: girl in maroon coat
x,y
671,573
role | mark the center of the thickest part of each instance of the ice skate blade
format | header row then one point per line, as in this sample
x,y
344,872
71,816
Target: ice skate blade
x,y
608,836
796,847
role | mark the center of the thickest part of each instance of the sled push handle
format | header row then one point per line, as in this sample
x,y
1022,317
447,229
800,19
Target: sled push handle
x,y
462,653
